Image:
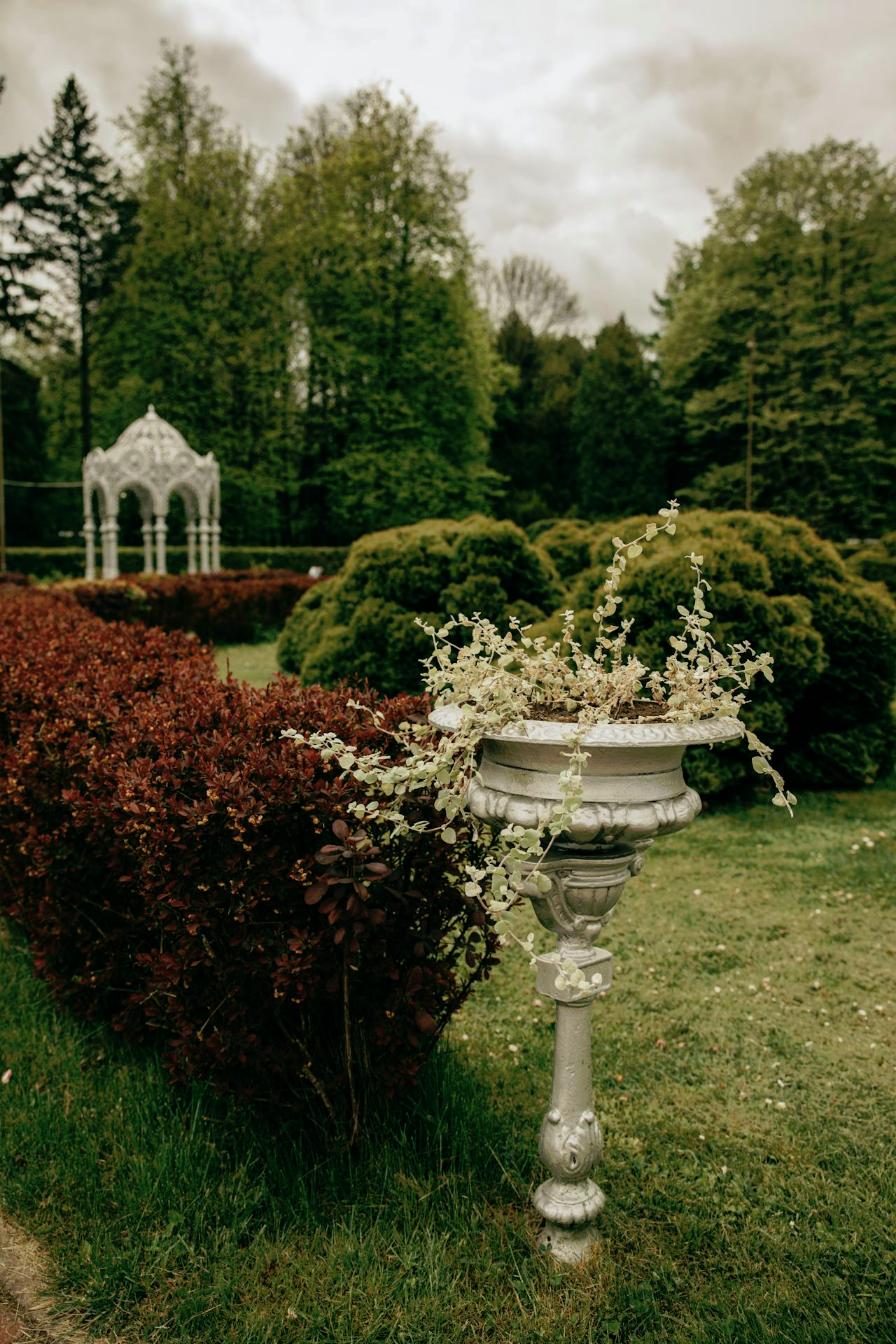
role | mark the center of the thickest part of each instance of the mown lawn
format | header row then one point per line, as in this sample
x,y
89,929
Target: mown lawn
x,y
255,663
745,1080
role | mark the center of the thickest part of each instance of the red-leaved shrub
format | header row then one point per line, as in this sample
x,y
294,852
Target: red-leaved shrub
x,y
182,869
229,607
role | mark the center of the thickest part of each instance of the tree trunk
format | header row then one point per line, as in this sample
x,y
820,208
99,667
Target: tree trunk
x,y
84,362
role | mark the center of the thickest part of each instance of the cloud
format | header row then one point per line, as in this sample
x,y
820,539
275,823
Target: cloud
x,y
700,113
112,45
592,131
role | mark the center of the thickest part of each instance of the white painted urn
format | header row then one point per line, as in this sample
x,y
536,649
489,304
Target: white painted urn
x,y
633,790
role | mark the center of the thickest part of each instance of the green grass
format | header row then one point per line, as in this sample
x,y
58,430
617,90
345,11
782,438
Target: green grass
x,y
255,663
755,966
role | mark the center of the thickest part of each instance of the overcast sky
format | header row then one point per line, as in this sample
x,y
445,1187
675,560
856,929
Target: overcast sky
x,y
592,129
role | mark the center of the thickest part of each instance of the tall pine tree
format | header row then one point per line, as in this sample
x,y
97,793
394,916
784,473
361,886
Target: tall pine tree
x,y
74,207
620,427
532,441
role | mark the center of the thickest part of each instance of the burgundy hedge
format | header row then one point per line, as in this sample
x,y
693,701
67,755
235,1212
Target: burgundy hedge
x,y
229,607
182,870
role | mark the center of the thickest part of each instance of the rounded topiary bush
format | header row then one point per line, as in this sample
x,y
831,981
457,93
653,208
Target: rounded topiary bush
x,y
776,583
359,625
567,541
876,560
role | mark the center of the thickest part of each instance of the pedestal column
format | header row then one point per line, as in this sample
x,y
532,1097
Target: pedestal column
x,y
216,545
586,883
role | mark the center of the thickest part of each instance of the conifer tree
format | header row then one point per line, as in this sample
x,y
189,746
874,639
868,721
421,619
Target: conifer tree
x,y
532,442
74,209
620,427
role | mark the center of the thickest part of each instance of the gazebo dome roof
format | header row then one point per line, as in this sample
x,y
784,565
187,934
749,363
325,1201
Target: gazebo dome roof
x,y
151,441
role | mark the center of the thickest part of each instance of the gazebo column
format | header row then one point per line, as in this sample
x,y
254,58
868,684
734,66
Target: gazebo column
x,y
204,538
89,547
161,529
216,545
191,545
147,543
113,547
108,530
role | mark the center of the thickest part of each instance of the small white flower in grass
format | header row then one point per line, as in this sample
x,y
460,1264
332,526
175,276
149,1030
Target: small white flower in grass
x,y
6,1076
514,1049
698,891
780,1105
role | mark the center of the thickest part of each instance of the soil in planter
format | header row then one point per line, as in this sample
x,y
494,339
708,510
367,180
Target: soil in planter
x,y
637,712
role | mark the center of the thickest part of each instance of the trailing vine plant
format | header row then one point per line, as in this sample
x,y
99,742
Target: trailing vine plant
x,y
498,679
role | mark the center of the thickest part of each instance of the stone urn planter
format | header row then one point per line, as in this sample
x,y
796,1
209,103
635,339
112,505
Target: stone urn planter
x,y
633,791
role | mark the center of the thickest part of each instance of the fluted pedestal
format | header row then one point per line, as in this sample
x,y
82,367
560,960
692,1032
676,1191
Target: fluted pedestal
x,y
632,790
586,883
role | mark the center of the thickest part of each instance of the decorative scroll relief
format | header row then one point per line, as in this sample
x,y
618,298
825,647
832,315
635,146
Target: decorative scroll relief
x,y
604,823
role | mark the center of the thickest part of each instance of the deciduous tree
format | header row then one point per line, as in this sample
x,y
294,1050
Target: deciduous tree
x,y
531,291
780,327
393,359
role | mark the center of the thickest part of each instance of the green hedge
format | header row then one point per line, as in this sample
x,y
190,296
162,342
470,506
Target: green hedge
x,y
778,584
360,625
67,562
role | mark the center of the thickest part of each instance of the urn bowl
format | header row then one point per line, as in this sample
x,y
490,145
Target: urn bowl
x,y
633,788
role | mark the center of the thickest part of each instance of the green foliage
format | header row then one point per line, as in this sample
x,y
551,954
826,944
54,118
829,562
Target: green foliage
x,y
30,513
876,560
531,444
367,244
832,635
73,209
568,542
195,323
785,316
620,427
360,625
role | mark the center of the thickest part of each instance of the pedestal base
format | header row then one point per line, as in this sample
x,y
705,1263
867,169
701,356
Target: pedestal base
x,y
569,1245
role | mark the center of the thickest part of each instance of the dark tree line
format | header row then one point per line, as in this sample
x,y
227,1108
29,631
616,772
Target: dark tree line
x,y
320,322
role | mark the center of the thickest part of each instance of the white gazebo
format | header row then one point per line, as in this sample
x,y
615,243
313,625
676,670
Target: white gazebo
x,y
155,461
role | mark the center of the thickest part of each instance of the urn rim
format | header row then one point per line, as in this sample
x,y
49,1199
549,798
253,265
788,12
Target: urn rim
x,y
558,733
